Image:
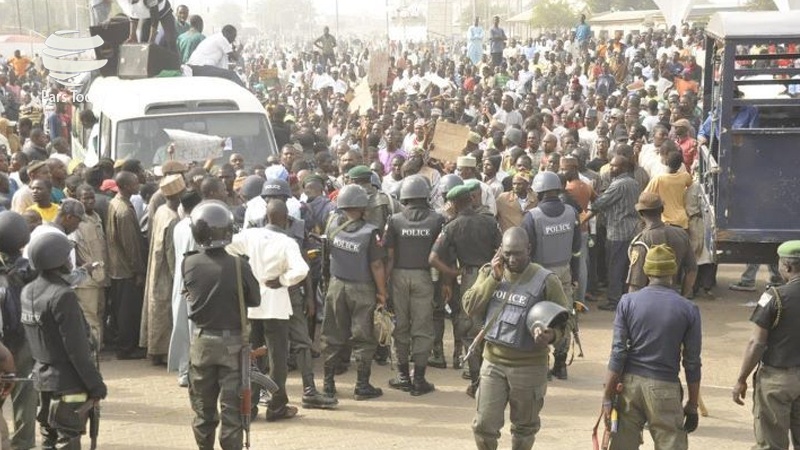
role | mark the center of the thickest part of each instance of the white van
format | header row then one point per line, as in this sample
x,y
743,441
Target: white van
x,y
138,119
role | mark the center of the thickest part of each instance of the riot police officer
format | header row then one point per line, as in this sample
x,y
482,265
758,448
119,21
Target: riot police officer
x,y
15,273
212,278
357,286
470,239
514,369
445,209
64,372
409,237
380,207
555,239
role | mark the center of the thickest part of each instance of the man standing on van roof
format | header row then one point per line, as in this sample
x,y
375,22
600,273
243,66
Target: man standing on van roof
x,y
212,56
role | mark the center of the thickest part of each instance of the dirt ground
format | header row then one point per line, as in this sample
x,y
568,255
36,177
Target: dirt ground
x,y
146,409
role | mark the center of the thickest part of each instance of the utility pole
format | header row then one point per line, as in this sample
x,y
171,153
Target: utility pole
x,y
47,13
19,19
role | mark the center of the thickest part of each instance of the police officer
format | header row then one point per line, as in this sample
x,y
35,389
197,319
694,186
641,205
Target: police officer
x,y
357,286
445,209
212,278
514,369
15,273
380,207
773,345
409,237
657,232
555,239
654,329
64,373
471,240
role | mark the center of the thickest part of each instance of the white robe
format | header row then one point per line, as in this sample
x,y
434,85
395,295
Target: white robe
x,y
182,327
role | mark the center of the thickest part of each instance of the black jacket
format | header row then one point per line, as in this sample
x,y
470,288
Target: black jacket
x,y
59,339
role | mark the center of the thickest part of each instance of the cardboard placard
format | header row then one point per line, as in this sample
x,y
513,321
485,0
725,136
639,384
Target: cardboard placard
x,y
191,146
378,71
448,141
362,99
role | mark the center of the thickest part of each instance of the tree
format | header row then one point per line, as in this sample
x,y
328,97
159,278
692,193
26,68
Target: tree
x,y
550,14
485,10
597,6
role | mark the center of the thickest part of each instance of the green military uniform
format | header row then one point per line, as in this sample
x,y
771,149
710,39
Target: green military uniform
x,y
514,369
410,236
776,395
654,234
351,297
445,209
471,239
379,208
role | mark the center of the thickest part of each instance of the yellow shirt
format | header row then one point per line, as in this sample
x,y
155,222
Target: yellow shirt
x,y
671,187
48,214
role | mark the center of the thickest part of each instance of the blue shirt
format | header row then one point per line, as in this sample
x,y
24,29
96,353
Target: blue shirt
x,y
747,117
654,328
582,32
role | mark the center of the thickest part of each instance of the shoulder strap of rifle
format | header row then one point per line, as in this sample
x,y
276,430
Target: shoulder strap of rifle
x,y
240,293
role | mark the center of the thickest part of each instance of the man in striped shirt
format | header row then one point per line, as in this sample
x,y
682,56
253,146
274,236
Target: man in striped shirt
x,y
617,204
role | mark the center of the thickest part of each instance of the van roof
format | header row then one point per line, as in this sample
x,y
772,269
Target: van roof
x,y
754,24
123,99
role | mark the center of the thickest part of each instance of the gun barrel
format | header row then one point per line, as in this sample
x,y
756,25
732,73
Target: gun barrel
x,y
245,392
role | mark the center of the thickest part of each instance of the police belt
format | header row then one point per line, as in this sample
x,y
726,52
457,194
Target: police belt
x,y
218,332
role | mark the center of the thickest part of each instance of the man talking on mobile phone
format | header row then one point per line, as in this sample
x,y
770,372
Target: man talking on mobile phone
x,y
514,371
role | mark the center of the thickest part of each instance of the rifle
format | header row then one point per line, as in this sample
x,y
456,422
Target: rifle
x,y
91,410
475,344
245,390
576,337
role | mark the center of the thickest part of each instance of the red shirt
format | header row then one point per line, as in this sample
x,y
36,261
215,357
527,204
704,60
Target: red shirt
x,y
689,151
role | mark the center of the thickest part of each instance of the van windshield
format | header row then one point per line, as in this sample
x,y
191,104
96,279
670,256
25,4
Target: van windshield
x,y
196,137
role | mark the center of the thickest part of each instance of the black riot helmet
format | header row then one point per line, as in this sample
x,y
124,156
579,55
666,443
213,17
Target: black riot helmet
x,y
49,249
546,314
352,196
275,187
212,224
14,232
415,186
448,182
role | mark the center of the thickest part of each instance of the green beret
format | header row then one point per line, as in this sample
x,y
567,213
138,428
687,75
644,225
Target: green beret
x,y
472,184
359,172
313,178
789,249
458,191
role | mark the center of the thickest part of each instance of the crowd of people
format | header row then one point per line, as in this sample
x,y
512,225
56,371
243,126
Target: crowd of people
x,y
577,184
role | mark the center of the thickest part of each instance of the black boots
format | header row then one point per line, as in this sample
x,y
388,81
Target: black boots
x,y
457,363
364,390
437,357
313,399
402,381
328,384
559,369
420,385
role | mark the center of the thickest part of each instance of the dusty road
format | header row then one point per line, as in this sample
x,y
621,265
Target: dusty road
x,y
146,409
